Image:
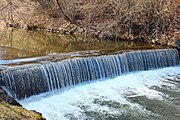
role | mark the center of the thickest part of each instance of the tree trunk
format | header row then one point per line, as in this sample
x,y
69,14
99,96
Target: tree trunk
x,y
61,10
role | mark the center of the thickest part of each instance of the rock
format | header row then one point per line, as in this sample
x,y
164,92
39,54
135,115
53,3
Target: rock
x,y
11,112
93,33
11,109
1,91
79,31
106,35
73,29
7,99
37,112
177,45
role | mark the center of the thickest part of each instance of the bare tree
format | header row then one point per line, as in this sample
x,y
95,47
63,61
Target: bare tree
x,y
10,11
6,11
69,9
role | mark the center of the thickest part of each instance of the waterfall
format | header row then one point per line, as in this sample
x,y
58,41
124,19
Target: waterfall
x,y
32,80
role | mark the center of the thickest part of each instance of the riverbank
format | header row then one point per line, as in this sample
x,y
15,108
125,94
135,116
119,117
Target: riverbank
x,y
152,22
11,109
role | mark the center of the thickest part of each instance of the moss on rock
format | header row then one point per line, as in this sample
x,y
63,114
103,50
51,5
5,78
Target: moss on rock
x,y
11,112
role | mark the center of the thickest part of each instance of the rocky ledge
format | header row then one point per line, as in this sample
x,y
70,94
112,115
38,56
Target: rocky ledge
x,y
10,109
177,45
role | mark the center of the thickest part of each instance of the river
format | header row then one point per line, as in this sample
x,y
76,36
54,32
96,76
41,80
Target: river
x,y
145,95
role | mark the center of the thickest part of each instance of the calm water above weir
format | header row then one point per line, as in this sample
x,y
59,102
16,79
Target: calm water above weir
x,y
18,45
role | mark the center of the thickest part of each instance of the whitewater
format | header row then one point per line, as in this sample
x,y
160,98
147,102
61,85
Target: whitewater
x,y
142,95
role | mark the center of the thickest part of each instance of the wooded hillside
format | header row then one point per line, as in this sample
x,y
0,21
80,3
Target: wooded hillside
x,y
155,21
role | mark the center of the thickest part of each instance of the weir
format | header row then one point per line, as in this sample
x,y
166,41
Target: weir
x,y
32,80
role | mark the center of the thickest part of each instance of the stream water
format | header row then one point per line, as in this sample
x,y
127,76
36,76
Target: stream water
x,y
145,95
135,95
20,46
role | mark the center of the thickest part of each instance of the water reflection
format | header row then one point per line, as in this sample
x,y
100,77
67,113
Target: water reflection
x,y
18,44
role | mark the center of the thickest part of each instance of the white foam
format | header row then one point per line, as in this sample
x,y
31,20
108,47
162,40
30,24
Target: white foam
x,y
58,106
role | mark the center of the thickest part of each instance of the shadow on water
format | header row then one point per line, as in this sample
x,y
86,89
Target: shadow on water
x,y
18,45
